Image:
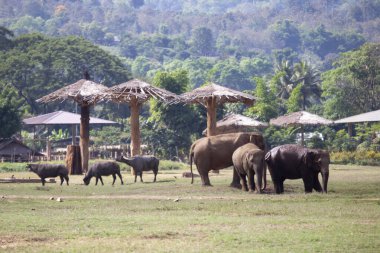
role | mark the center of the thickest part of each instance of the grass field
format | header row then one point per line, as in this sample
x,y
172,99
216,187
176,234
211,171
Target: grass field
x,y
174,216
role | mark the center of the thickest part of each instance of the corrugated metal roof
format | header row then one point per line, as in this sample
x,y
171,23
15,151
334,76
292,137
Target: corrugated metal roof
x,y
63,118
364,117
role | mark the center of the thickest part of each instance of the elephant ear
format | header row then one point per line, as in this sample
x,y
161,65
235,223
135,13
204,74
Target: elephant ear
x,y
258,140
310,159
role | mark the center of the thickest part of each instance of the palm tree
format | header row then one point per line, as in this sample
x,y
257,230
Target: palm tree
x,y
309,77
283,79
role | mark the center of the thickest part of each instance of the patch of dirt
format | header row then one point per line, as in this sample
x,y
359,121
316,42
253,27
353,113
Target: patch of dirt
x,y
167,235
15,241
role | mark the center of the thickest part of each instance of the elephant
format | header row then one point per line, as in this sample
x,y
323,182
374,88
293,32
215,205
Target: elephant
x,y
215,153
248,160
293,161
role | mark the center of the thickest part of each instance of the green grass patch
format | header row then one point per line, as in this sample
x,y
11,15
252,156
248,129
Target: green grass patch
x,y
172,215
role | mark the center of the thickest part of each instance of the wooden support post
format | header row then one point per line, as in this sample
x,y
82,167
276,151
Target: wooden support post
x,y
73,160
211,120
73,134
211,116
48,149
350,127
84,135
135,127
302,136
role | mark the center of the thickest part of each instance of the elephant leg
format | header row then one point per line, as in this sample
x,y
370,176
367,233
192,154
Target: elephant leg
x,y
235,180
281,186
251,181
308,183
277,186
205,179
244,182
316,184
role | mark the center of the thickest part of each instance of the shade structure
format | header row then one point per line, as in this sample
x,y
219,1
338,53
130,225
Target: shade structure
x,y
212,95
373,116
85,93
64,118
233,123
300,118
135,92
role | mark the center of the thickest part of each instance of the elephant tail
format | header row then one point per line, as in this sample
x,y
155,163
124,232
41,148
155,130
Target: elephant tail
x,y
191,156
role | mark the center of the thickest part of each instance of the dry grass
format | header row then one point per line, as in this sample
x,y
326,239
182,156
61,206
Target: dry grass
x,y
174,216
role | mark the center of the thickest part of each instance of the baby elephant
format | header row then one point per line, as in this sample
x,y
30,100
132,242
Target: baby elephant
x,y
50,170
103,169
140,164
248,160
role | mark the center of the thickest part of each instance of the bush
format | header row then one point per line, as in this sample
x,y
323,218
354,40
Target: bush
x,y
358,157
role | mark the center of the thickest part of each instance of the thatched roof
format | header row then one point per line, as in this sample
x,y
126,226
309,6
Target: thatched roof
x,y
83,92
299,118
140,90
62,118
373,116
233,123
222,95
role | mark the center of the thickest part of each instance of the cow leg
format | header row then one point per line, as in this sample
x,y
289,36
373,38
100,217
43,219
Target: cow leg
x,y
61,180
43,181
114,179
121,179
141,180
101,180
67,180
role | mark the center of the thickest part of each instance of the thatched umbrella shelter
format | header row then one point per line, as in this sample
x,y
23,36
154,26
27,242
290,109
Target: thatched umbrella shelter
x,y
300,118
136,92
234,123
85,93
212,95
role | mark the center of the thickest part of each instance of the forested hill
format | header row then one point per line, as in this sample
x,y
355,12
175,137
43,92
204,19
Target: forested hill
x,y
226,41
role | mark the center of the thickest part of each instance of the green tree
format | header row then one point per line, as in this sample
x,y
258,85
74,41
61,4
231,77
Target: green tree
x,y
202,41
286,34
10,118
294,103
309,80
353,86
171,125
37,65
6,37
266,106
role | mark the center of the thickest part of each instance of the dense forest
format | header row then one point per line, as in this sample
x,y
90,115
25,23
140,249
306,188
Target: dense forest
x,y
321,56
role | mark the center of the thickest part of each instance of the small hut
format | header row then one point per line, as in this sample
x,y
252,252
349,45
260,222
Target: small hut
x,y
301,119
234,123
13,150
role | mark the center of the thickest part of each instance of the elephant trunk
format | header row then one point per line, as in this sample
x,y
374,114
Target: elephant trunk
x,y
325,179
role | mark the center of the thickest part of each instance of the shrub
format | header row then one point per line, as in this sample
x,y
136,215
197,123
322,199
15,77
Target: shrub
x,y
358,157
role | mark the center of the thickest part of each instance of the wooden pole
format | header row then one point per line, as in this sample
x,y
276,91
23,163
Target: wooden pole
x,y
135,127
350,129
84,135
73,134
211,116
211,120
302,136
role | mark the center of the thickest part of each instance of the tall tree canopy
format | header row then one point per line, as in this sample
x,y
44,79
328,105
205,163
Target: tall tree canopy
x,y
37,65
354,85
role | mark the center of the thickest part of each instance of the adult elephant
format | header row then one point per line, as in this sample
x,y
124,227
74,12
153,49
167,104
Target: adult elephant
x,y
294,161
215,153
249,162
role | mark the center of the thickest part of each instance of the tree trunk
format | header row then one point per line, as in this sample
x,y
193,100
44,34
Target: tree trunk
x,y
211,120
84,135
135,127
73,160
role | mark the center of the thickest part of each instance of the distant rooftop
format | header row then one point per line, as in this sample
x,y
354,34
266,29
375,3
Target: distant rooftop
x,y
364,117
62,118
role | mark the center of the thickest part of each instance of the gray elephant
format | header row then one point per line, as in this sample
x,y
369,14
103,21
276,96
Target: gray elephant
x,y
293,162
249,161
215,153
140,164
